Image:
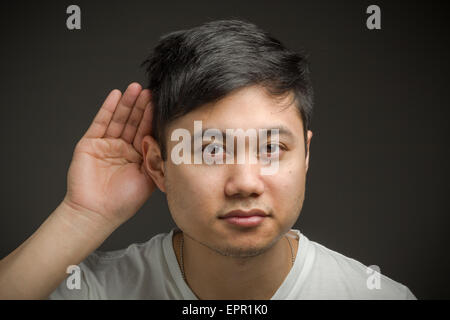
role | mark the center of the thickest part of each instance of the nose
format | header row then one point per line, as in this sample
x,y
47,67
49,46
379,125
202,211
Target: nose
x,y
244,180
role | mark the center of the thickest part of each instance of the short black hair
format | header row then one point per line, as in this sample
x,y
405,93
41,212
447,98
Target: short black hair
x,y
189,68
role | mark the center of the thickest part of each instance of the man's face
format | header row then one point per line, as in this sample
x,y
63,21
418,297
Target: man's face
x,y
200,194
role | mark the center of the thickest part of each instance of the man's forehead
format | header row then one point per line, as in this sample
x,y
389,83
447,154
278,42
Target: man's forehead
x,y
251,108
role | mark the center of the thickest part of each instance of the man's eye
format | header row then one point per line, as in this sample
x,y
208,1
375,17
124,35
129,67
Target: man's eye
x,y
270,148
212,149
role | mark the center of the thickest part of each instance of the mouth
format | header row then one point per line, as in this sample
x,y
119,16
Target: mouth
x,y
242,218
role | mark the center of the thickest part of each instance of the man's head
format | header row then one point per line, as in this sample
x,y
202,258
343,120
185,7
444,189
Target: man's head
x,y
230,75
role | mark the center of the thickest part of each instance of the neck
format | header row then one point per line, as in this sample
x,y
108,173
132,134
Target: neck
x,y
211,275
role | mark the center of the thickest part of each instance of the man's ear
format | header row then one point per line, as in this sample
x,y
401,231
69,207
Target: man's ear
x,y
153,162
308,142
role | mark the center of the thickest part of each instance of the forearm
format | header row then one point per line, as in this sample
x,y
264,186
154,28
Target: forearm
x,y
38,266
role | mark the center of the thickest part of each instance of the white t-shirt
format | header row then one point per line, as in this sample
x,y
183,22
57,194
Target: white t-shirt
x,y
150,270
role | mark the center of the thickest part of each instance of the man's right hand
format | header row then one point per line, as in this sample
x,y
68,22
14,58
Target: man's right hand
x,y
107,176
106,185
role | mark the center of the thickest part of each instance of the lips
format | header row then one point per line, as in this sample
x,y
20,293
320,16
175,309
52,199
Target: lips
x,y
241,213
246,219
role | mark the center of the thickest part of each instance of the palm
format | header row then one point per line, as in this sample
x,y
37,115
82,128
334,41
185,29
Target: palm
x,y
106,175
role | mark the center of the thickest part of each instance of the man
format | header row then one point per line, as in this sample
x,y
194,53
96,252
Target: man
x,y
234,238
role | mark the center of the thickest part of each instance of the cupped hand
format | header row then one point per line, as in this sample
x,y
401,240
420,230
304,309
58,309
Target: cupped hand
x,y
107,176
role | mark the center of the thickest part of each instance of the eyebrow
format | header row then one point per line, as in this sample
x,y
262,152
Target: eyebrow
x,y
282,131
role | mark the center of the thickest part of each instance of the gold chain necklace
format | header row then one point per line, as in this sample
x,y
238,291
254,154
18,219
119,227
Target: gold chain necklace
x,y
182,262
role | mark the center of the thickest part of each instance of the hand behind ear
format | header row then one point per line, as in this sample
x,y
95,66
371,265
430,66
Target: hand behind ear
x,y
106,175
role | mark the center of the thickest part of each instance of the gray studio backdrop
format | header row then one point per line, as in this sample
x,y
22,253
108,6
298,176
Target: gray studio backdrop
x,y
377,184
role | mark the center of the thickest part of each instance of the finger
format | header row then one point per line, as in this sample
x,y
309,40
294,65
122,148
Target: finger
x,y
123,110
145,127
101,121
136,116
